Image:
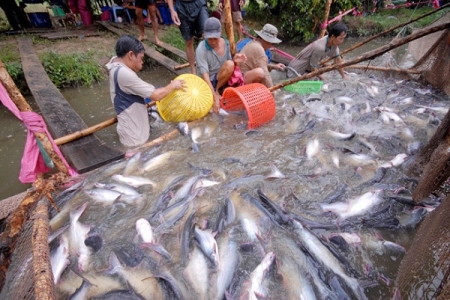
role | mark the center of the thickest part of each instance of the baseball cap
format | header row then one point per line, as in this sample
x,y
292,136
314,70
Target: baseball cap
x,y
212,28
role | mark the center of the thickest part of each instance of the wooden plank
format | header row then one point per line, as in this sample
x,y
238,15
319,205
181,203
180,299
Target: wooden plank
x,y
149,51
84,154
68,34
151,39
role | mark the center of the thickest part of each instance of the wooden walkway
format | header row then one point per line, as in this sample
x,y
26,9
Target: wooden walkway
x,y
151,52
84,154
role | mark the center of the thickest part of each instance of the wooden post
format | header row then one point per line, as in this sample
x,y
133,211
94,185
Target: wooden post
x,y
325,18
229,26
22,104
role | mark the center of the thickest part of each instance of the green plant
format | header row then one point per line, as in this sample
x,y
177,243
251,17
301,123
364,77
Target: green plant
x,y
73,69
174,38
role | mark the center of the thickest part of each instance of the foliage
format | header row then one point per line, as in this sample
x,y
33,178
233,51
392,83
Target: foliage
x,y
11,58
71,69
174,38
299,20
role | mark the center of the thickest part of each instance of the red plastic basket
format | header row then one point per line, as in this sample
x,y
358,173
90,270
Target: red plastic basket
x,y
255,98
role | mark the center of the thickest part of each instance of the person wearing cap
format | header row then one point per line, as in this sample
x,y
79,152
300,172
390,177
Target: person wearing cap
x,y
256,68
214,62
190,17
309,58
129,93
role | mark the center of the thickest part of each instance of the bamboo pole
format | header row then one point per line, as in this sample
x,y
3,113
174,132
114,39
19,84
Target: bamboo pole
x,y
387,31
87,131
325,18
157,141
368,55
385,69
182,66
229,26
23,106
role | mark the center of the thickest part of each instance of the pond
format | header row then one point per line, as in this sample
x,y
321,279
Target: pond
x,y
320,157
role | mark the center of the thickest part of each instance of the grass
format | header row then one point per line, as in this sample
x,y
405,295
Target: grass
x,y
74,69
174,38
388,18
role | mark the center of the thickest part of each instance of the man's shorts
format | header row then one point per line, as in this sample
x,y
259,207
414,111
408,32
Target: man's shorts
x,y
236,16
192,15
144,3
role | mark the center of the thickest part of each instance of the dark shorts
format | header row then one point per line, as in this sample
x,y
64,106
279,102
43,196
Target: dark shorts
x,y
192,15
214,84
144,3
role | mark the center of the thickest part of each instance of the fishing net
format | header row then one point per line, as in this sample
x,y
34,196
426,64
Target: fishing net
x,y
29,275
424,272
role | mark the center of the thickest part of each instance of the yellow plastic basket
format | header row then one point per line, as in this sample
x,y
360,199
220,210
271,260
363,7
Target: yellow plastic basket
x,y
190,105
305,87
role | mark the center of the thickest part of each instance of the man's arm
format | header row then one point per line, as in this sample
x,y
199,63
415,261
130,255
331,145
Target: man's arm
x,y
173,13
338,60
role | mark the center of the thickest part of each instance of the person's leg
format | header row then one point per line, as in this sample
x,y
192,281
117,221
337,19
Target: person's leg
x,y
152,14
140,6
140,23
255,75
224,74
190,53
237,19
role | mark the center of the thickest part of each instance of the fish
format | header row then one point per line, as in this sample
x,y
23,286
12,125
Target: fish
x,y
77,234
295,279
134,181
308,126
187,233
396,161
123,189
144,230
197,274
312,148
82,292
59,259
228,253
275,173
442,110
355,206
195,133
159,160
208,245
360,159
183,128
139,278
340,136
102,195
132,164
257,276
321,254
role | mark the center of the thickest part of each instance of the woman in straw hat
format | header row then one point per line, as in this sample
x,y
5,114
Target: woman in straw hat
x,y
256,68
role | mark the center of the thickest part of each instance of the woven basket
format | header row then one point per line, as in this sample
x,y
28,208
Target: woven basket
x,y
189,105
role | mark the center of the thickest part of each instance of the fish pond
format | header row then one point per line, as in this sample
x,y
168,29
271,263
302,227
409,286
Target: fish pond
x,y
314,204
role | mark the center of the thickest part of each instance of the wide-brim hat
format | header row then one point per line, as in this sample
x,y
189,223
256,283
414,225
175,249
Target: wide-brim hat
x,y
269,34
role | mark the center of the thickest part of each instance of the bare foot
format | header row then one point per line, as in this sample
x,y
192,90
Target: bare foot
x,y
142,37
158,41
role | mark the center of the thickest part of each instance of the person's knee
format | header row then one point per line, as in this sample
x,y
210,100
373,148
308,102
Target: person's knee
x,y
259,74
228,66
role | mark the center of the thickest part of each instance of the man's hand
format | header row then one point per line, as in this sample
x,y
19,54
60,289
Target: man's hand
x,y
179,84
220,6
175,18
279,67
239,58
241,3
